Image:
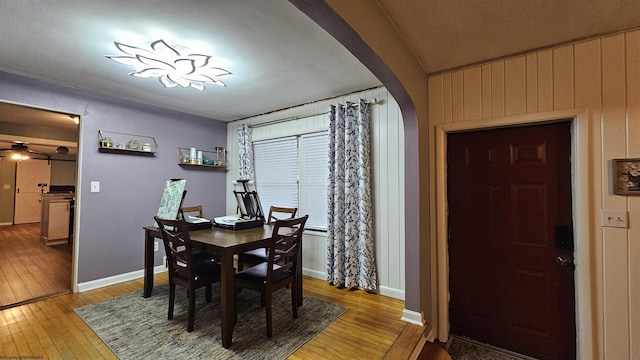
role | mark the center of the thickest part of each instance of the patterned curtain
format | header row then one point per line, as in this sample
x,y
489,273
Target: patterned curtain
x,y
350,255
245,152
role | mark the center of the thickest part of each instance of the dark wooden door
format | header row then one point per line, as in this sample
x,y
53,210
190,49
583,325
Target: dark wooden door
x,y
510,239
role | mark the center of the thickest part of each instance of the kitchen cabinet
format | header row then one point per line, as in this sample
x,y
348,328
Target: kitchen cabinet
x,y
56,215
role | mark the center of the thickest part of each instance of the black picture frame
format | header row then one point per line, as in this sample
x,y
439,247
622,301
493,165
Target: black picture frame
x,y
626,176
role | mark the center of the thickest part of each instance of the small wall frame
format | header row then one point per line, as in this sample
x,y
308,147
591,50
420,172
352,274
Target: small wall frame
x,y
626,174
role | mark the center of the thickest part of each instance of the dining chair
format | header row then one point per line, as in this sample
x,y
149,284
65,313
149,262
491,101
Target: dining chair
x,y
275,211
199,255
257,256
192,209
278,271
184,269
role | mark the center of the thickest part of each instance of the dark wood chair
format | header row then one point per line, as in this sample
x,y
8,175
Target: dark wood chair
x,y
258,256
192,209
278,271
275,211
197,209
184,269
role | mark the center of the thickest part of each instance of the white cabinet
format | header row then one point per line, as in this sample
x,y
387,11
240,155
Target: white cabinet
x,y
54,226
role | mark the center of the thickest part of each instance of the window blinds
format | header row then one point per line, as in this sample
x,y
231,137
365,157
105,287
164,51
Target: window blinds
x,y
276,166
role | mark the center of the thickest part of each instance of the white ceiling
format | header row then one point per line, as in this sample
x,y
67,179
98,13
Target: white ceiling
x,y
278,57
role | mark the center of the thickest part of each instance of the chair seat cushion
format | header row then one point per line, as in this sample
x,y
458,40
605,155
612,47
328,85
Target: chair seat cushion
x,y
257,255
259,273
203,270
199,255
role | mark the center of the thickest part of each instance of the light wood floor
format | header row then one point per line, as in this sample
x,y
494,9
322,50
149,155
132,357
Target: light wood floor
x,y
30,269
370,329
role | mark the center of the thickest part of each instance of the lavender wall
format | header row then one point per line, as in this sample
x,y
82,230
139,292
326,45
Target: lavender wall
x,y
110,237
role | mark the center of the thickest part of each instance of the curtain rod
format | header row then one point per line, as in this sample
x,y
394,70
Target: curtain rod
x,y
373,101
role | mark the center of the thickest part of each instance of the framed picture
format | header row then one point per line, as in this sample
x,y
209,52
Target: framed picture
x,y
626,176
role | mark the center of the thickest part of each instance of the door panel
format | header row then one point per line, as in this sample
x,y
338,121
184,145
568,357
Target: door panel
x,y
508,192
30,173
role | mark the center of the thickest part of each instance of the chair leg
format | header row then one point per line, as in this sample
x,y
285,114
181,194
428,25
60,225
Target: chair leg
x,y
207,293
192,309
269,314
172,299
235,305
294,300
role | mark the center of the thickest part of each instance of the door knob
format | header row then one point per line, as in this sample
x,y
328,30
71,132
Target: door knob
x,y
563,260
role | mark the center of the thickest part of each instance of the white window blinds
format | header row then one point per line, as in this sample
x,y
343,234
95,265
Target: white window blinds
x,y
314,174
276,166
293,172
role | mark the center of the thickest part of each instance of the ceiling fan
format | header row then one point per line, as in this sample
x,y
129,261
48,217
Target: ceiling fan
x,y
20,151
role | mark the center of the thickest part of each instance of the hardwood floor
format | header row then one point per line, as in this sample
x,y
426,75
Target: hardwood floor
x,y
29,269
370,329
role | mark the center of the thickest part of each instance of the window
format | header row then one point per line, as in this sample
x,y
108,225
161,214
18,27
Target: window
x,y
293,172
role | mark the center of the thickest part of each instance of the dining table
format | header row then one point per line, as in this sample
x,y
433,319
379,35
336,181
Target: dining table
x,y
224,243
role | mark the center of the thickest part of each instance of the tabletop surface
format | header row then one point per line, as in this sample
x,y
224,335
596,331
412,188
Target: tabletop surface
x,y
224,238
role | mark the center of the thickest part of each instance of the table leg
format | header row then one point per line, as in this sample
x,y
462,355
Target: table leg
x,y
227,300
148,263
299,277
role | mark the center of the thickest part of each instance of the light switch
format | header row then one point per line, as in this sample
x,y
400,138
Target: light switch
x,y
6,186
614,218
95,186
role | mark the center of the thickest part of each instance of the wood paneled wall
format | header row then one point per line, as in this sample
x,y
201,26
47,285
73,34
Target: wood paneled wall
x,y
601,76
388,180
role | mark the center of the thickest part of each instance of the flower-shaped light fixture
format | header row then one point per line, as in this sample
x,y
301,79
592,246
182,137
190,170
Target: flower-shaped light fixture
x,y
171,66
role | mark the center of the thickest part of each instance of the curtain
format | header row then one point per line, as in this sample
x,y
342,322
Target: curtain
x,y
245,153
350,247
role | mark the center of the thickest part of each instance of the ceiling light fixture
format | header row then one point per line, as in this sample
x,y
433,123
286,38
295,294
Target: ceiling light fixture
x,y
19,155
171,66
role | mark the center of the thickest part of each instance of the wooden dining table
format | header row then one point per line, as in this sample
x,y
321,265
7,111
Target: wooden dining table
x,y
225,244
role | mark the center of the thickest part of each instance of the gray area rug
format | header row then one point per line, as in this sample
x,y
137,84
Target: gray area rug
x,y
461,348
137,328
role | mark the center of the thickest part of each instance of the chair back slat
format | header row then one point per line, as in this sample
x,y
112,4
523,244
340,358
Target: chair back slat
x,y
275,211
284,247
177,245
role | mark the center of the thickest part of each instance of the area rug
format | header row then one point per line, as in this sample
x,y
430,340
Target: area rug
x,y
137,328
461,348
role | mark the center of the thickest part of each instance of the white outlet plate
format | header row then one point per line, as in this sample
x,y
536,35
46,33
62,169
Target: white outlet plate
x,y
615,218
155,246
95,186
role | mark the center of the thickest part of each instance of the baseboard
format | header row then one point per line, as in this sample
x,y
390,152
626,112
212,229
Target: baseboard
x,y
116,279
412,317
314,274
386,291
6,223
392,293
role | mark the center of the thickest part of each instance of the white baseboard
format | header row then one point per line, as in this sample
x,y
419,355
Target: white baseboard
x,y
386,291
412,317
6,223
314,274
116,279
392,293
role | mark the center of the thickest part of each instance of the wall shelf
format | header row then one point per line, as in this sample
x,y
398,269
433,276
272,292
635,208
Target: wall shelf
x,y
123,143
202,158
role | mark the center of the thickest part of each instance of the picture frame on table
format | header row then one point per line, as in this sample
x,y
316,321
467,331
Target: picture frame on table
x,y
626,173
